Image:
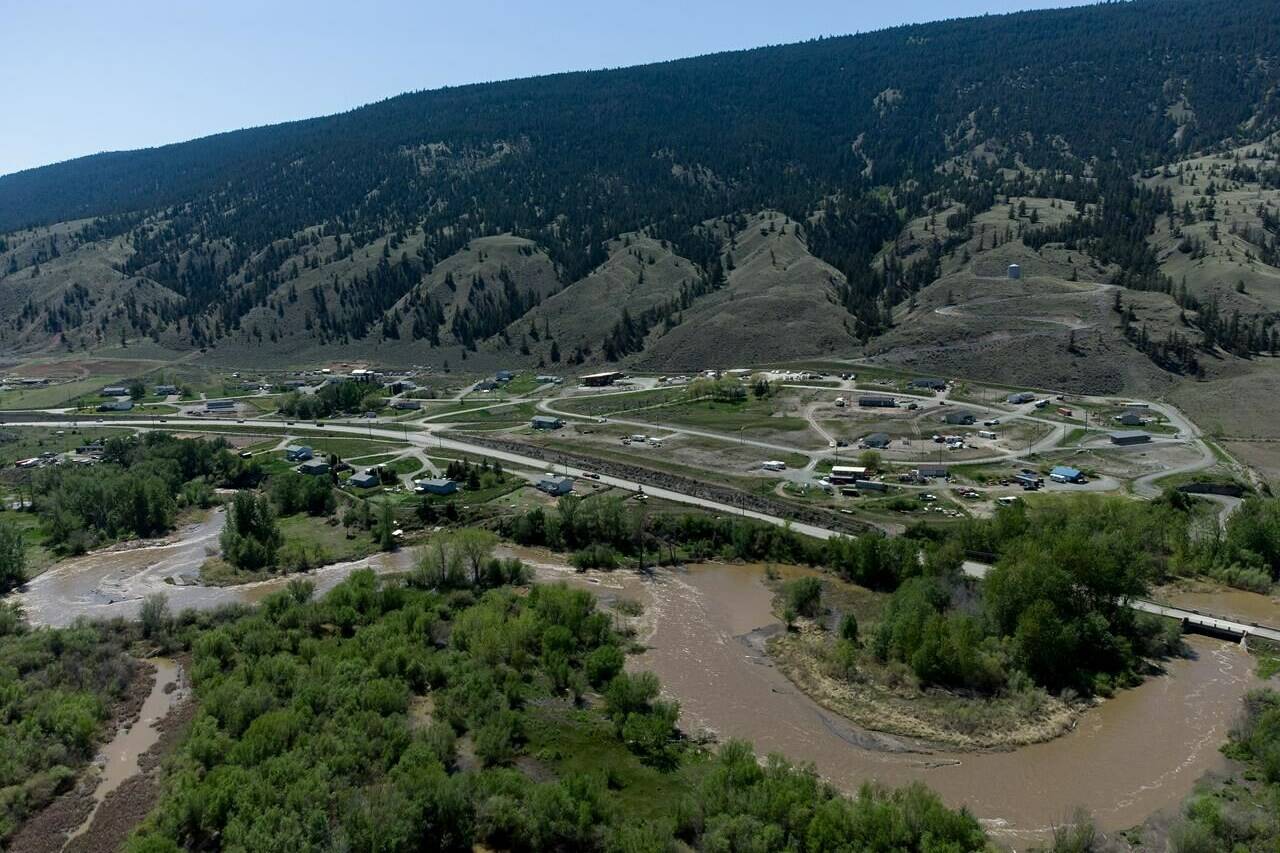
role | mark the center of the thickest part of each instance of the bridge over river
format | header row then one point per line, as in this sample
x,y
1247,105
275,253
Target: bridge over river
x,y
1192,620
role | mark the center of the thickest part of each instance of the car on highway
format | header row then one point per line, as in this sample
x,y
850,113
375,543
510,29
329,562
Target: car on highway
x,y
591,475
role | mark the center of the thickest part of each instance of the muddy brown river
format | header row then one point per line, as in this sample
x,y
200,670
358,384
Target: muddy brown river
x,y
1135,754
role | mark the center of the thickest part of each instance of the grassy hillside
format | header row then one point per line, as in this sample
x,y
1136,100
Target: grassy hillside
x,y
778,303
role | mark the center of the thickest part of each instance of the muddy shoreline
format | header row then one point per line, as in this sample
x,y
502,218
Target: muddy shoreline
x,y
61,825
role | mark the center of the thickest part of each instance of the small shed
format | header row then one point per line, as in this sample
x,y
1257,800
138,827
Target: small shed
x,y
1129,419
959,418
437,486
556,486
1065,474
1128,437
546,422
933,472
872,401
1020,397
929,382
367,480
314,467
1015,272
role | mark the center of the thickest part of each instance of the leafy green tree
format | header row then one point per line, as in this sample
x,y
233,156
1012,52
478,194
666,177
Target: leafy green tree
x,y
251,538
13,556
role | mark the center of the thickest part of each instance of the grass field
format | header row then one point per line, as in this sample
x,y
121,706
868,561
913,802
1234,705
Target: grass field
x,y
349,448
513,415
745,416
329,541
618,403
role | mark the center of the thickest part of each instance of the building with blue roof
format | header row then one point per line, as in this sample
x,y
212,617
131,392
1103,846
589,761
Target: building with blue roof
x,y
1066,474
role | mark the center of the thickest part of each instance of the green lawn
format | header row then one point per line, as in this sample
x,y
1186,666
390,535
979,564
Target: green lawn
x,y
618,403
315,532
515,414
746,416
348,448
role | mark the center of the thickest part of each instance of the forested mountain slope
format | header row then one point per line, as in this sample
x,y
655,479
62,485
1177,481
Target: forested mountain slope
x,y
220,242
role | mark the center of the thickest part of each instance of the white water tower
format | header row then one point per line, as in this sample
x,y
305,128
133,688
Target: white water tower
x,y
1015,272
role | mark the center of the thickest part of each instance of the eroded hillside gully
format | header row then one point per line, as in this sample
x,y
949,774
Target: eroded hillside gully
x,y
1133,755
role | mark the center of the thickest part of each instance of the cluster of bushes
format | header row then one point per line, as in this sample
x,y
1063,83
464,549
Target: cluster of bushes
x,y
333,398
1053,608
1247,553
292,493
137,490
56,689
395,715
725,390
476,477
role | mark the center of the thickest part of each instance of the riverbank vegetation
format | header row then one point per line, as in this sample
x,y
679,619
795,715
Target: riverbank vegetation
x,y
449,708
606,531
136,491
58,688
294,526
1004,661
1240,811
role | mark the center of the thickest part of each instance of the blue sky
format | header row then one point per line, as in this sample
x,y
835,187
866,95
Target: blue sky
x,y
81,76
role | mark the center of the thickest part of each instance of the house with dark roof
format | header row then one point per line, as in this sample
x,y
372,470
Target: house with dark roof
x,y
556,486
879,440
365,480
872,401
436,486
314,467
